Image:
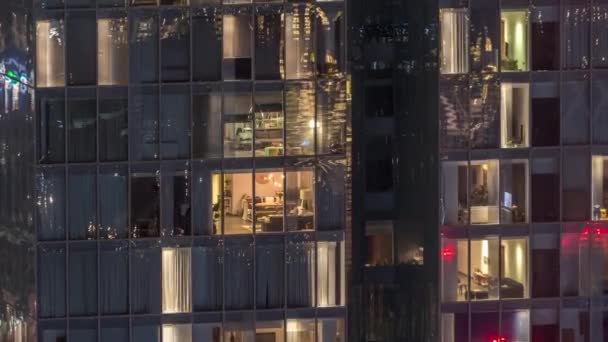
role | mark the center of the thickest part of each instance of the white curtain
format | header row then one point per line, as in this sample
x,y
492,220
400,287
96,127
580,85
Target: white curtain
x,y
50,67
328,270
113,51
177,333
300,330
454,41
176,279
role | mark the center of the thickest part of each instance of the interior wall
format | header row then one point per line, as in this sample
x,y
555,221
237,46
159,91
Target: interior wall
x,y
515,259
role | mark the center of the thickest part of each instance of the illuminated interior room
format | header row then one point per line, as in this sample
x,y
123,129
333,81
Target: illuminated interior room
x,y
514,40
454,57
599,188
514,115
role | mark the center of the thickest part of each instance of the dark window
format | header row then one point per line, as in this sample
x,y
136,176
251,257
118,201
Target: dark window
x,y
145,201
175,122
81,48
83,279
268,43
575,111
145,284
454,111
379,165
81,203
175,199
143,47
576,34
330,38
50,192
113,182
51,126
82,131
545,265
51,282
115,330
545,114
145,329
207,130
113,132
545,189
175,46
545,325
236,44
329,197
207,281
80,3
143,124
379,101
575,183
239,270
300,259
599,123
114,279
83,330
545,38
484,42
484,115
269,272
207,44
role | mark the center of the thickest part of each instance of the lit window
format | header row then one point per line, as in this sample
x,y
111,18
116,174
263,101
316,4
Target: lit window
x,y
300,119
514,40
599,188
300,199
268,121
379,238
484,268
237,46
514,270
330,329
454,41
268,200
269,331
177,333
300,330
330,273
50,42
454,269
298,42
238,122
514,114
176,281
514,191
112,51
238,202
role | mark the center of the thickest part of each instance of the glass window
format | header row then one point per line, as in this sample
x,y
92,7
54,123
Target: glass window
x,y
239,327
599,107
82,188
145,206
175,44
454,193
238,121
455,326
300,261
330,273
484,326
271,331
211,332
51,282
330,195
81,48
454,56
145,280
484,268
575,187
379,101
112,198
379,243
574,261
143,124
143,2
331,330
379,167
454,269
299,199
238,202
599,189
175,122
599,33
545,114
268,208
575,111
514,40
207,287
174,2
454,109
331,118
207,130
177,333
483,192
574,324
175,181
545,201
330,38
484,111
82,131
113,50
49,4
269,43
143,45
83,279
50,42
300,330
51,202
207,43
83,330
545,38
80,3
114,279
270,262
298,41
115,330
207,199
112,118
176,280
545,265
111,3
545,325
514,268
239,270
576,32
484,43
236,64
515,115
269,121
145,329
51,126
300,118
514,191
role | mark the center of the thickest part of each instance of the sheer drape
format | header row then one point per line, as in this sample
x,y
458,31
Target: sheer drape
x,y
83,280
330,195
176,279
207,277
50,66
113,51
145,284
81,196
576,37
177,333
238,275
113,203
269,275
113,278
300,274
454,41
51,274
327,273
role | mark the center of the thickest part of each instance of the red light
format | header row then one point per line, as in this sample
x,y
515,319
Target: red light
x,y
447,252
